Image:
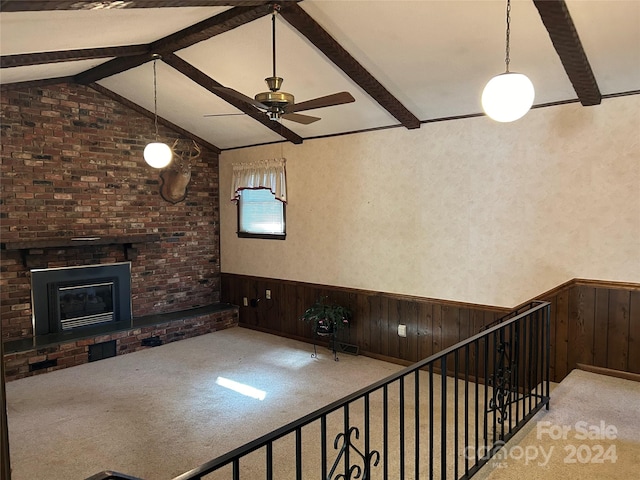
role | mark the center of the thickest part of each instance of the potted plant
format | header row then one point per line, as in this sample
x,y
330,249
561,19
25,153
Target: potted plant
x,y
326,317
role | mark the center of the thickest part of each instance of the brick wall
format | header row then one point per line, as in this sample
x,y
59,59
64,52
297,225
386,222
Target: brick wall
x,y
72,165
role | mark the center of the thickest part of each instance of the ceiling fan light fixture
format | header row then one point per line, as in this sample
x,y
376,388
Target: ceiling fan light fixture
x,y
156,154
508,96
274,115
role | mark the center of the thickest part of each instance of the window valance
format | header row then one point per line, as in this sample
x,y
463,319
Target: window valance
x,y
269,174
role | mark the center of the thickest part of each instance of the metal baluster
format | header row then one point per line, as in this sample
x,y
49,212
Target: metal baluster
x,y
547,347
443,418
431,406
401,425
298,453
455,412
526,353
385,429
518,390
417,422
270,461
536,355
532,361
508,346
347,465
323,446
486,390
466,408
494,376
477,400
367,445
236,469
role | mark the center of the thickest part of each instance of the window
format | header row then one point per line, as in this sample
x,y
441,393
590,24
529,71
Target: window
x,y
260,214
260,190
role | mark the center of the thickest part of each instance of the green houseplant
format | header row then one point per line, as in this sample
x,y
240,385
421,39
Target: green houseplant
x,y
326,317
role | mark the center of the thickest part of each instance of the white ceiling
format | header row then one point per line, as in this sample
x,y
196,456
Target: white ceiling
x,y
433,56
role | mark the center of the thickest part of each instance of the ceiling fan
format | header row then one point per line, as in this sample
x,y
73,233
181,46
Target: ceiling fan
x,y
277,104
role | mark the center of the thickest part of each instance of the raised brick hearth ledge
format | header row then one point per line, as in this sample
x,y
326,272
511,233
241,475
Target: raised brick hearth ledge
x,y
23,358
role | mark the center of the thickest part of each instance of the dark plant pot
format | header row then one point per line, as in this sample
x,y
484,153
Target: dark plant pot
x,y
324,329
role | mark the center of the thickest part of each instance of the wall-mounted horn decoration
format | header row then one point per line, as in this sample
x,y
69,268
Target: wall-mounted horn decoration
x,y
176,177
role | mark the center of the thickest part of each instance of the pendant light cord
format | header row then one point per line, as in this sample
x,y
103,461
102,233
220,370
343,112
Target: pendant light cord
x,y
506,59
155,98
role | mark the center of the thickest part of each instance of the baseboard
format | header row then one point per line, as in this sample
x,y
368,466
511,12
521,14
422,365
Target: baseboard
x,y
609,371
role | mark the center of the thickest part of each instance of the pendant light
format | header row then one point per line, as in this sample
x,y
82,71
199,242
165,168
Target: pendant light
x,y
157,154
508,96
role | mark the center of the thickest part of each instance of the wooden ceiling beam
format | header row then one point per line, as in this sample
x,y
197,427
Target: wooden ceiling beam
x,y
36,83
221,23
143,111
324,42
47,5
564,36
112,67
211,85
28,59
208,28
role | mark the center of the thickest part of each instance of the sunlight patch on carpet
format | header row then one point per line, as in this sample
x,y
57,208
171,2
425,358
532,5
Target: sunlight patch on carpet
x,y
241,388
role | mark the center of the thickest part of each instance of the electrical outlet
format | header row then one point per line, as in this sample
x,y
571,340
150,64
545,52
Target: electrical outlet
x,y
268,294
245,301
402,330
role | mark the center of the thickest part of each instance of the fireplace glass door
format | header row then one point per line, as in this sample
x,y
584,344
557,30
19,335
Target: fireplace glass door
x,y
85,305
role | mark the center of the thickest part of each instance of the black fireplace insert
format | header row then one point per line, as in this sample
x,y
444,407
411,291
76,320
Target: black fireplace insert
x,y
68,300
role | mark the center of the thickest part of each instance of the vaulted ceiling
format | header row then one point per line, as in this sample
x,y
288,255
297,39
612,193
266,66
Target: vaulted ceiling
x,y
404,62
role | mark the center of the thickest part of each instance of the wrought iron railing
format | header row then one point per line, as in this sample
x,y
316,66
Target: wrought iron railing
x,y
443,417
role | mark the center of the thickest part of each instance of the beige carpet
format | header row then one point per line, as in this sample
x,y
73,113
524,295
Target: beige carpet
x,y
591,432
160,412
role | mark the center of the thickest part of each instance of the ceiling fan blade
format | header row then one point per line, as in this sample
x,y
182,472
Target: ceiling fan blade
x,y
321,102
303,119
222,114
240,96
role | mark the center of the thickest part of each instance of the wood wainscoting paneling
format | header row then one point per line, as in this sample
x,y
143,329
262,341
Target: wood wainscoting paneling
x,y
431,324
592,322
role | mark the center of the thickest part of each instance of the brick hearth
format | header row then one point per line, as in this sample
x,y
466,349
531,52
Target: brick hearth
x,y
22,359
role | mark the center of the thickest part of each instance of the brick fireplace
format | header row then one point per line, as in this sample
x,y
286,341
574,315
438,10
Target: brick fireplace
x,y
72,167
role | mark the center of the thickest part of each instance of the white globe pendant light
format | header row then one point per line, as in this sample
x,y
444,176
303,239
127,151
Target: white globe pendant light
x,y
508,96
157,154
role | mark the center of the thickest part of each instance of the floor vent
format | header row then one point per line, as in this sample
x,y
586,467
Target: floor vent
x,y
347,348
44,364
151,342
102,350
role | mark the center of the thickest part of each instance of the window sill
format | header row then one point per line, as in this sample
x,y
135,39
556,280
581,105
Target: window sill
x,y
264,236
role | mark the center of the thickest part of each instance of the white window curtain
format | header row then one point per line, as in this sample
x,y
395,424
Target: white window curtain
x,y
260,174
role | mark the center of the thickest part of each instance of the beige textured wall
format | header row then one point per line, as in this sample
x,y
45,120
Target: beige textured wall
x,y
467,210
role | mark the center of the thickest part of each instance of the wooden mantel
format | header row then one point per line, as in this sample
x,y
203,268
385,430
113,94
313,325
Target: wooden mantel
x,y
79,242
126,241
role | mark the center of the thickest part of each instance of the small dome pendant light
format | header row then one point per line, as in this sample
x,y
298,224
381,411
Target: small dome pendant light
x,y
157,154
508,96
